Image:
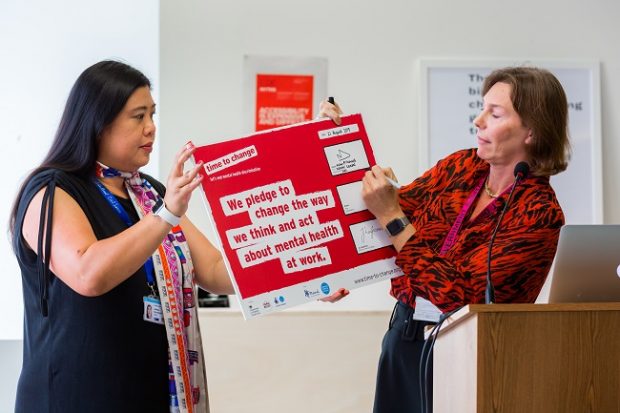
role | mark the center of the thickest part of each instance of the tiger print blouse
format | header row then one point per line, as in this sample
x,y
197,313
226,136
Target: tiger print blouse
x,y
523,249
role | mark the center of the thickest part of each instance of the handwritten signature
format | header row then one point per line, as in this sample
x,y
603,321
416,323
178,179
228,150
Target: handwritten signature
x,y
369,232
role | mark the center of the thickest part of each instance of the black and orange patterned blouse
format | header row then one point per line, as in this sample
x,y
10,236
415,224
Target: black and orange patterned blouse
x,y
523,249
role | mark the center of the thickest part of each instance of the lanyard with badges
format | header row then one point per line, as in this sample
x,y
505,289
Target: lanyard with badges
x,y
152,305
424,309
454,231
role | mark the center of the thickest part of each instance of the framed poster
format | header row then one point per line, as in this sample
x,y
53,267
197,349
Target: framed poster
x,y
280,91
451,99
287,208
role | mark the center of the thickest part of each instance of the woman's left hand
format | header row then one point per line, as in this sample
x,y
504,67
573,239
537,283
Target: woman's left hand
x,y
335,297
330,110
380,196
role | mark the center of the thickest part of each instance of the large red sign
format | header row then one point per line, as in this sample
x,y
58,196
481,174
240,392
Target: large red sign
x,y
287,207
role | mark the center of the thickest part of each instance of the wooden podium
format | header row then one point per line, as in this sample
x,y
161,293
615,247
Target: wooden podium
x,y
529,358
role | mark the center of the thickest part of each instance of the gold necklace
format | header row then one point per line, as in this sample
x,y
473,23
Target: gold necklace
x,y
487,190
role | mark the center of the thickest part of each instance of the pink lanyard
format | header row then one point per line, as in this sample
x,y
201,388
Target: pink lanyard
x,y
454,231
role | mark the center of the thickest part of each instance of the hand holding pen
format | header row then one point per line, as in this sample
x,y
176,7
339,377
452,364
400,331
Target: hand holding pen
x,y
330,109
392,182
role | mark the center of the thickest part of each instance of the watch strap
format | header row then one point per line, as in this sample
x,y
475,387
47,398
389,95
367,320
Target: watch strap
x,y
161,211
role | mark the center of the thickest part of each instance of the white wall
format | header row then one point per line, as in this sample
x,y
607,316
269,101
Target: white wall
x,y
11,359
44,46
297,362
372,48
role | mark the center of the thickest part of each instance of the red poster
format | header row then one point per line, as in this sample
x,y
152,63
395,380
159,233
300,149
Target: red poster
x,y
287,207
282,100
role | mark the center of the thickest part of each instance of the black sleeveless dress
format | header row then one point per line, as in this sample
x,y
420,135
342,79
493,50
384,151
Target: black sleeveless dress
x,y
89,354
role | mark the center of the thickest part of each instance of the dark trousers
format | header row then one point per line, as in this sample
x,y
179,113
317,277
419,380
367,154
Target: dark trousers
x,y
398,378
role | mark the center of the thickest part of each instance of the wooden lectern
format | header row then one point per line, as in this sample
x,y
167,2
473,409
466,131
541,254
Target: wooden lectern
x,y
529,358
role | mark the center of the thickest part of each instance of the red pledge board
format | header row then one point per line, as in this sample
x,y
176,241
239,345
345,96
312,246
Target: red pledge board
x,y
287,208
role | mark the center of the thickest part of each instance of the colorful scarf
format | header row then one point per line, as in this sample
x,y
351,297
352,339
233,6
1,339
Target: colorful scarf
x,y
174,274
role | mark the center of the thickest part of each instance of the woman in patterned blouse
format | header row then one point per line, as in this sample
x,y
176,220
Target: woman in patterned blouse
x,y
441,223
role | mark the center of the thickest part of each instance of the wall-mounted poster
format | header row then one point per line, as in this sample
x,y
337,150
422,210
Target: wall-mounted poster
x,y
280,91
287,208
282,100
451,99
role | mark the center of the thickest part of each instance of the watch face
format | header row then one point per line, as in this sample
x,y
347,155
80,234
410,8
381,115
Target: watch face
x,y
158,205
396,226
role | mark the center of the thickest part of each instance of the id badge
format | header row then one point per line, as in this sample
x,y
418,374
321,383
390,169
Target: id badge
x,y
426,311
152,310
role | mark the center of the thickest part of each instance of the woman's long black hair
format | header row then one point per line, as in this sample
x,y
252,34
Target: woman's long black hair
x,y
97,97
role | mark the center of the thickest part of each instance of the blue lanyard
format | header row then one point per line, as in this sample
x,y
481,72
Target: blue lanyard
x,y
149,268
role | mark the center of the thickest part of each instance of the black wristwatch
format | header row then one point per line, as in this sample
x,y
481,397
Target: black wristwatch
x,y
396,226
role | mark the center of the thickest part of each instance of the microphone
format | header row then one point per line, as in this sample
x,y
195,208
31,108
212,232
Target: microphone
x,y
521,171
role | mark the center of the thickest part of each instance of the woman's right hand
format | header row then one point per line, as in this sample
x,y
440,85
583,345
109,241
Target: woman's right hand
x,y
380,197
181,183
330,110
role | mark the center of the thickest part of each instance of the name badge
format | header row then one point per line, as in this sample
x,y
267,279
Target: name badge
x,y
426,311
152,310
